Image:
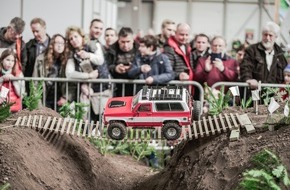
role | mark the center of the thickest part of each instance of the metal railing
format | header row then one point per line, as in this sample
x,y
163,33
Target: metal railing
x,y
102,82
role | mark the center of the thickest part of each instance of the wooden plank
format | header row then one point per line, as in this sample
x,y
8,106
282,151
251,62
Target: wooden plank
x,y
74,127
250,128
234,121
52,123
23,121
235,135
97,130
211,125
101,129
40,122
245,120
34,121
189,132
205,126
200,128
217,124
184,135
28,121
159,136
85,128
239,119
223,123
91,128
63,126
228,121
71,120
47,123
80,127
58,124
18,121
195,130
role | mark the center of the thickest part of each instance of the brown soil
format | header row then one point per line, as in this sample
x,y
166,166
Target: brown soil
x,y
36,160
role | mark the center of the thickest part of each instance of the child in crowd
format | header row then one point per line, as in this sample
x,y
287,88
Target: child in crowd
x,y
7,71
286,74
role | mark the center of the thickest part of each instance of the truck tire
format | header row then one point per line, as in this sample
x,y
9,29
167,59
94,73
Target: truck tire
x,y
117,131
171,131
196,112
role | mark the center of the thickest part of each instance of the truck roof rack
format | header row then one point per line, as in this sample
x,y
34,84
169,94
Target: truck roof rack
x,y
162,93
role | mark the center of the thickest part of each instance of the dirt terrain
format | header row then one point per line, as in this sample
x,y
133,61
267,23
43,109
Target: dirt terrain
x,y
36,160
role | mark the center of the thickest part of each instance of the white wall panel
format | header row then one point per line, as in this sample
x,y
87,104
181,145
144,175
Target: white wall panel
x,y
207,18
57,14
176,11
9,9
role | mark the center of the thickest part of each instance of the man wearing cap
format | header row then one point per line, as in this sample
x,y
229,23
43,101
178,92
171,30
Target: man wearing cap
x,y
11,37
264,61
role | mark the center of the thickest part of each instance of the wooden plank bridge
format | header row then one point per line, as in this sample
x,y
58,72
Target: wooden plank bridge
x,y
211,125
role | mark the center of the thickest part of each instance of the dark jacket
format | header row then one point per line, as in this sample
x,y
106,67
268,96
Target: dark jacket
x,y
6,44
31,47
179,61
254,65
161,69
111,59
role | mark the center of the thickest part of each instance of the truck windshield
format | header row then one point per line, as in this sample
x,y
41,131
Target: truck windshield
x,y
135,100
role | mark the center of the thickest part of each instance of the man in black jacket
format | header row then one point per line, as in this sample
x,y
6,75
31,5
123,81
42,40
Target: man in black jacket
x,y
264,61
120,57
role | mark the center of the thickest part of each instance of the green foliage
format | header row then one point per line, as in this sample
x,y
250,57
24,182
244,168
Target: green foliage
x,y
102,144
73,110
245,104
270,174
270,92
35,95
5,111
5,186
217,104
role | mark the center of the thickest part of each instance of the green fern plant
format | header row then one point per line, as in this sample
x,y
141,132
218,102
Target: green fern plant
x,y
246,103
270,173
5,111
217,104
5,186
102,144
35,95
269,92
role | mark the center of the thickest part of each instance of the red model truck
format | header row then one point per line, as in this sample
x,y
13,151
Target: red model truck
x,y
169,107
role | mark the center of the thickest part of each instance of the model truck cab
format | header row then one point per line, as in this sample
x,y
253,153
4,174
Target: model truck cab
x,y
168,107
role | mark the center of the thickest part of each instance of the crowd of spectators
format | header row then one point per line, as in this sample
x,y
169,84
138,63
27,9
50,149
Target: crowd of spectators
x,y
174,54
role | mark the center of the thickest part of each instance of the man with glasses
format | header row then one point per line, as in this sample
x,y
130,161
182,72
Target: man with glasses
x,y
11,37
264,61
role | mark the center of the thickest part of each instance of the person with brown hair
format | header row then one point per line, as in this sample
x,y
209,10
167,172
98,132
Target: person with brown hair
x,y
11,37
7,71
51,64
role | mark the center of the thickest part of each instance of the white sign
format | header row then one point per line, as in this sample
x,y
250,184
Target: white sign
x,y
4,92
273,105
286,110
235,90
255,95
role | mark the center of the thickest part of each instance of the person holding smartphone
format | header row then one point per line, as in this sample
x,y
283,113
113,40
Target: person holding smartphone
x,y
217,66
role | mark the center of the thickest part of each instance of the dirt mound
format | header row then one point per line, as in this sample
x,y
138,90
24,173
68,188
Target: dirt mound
x,y
215,163
38,160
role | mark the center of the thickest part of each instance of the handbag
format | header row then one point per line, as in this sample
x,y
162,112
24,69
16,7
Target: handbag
x,y
99,100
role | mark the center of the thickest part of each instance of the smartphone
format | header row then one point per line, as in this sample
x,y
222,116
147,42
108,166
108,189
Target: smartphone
x,y
213,56
127,64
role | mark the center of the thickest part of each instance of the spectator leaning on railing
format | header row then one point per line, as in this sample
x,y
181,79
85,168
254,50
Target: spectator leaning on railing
x,y
264,61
